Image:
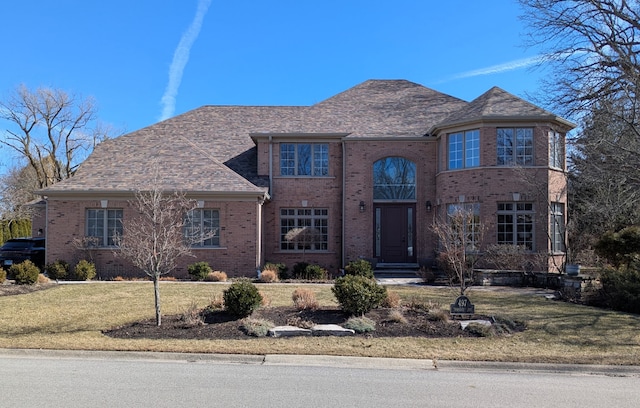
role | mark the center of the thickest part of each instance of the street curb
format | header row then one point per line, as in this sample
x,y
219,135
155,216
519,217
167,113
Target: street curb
x,y
329,361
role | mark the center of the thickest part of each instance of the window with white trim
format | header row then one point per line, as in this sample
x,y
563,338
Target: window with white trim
x,y
556,150
465,218
202,228
304,159
515,224
515,146
304,229
103,225
557,227
464,149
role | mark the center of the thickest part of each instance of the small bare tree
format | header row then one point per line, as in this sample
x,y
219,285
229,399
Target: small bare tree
x,y
154,239
305,237
460,236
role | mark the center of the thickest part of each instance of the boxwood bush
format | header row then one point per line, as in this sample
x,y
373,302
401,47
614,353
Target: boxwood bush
x,y
58,270
241,298
199,270
358,294
360,267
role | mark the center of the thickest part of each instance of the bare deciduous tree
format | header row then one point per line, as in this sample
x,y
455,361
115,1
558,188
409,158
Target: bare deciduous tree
x,y
154,239
50,130
460,235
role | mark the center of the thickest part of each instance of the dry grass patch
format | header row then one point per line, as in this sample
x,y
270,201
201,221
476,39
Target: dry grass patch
x,y
73,316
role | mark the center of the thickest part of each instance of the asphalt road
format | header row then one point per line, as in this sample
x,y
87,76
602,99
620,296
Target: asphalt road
x,y
94,379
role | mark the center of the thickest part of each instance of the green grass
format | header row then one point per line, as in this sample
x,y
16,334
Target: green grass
x,y
74,316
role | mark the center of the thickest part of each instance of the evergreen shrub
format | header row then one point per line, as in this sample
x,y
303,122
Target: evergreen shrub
x,y
361,267
85,270
199,270
357,294
25,273
241,298
58,270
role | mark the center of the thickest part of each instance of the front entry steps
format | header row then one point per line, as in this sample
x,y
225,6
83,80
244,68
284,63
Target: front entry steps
x,y
397,271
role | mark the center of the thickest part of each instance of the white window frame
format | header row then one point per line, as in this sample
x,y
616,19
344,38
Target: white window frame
x,y
295,161
291,218
556,150
464,149
520,151
201,228
102,225
557,227
521,225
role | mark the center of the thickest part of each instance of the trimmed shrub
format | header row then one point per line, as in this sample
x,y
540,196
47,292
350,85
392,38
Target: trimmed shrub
x,y
268,276
299,270
314,272
256,327
361,267
357,294
3,276
304,299
58,270
85,270
280,268
25,273
216,276
241,298
360,324
199,270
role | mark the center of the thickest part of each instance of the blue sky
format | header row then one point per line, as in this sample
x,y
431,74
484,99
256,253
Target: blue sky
x,y
255,52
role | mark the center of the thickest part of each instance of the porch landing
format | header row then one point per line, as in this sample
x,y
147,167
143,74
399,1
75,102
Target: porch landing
x,y
396,270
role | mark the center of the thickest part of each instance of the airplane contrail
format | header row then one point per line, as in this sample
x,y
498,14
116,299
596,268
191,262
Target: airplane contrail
x,y
180,59
496,69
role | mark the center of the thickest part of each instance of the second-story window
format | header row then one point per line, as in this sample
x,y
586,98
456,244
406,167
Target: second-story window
x,y
464,149
556,150
515,146
304,159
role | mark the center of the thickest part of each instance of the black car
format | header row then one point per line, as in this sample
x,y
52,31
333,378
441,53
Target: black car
x,y
17,250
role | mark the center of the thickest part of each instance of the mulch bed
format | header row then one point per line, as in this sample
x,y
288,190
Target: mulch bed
x,y
220,325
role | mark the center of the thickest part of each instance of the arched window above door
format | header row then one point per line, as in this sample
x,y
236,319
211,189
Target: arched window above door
x,y
394,178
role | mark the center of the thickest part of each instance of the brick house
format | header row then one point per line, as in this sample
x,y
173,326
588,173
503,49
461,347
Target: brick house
x,y
368,170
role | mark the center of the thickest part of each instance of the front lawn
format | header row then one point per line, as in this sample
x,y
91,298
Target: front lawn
x,y
74,316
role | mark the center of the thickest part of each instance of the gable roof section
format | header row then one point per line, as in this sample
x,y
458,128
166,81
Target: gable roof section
x,y
204,150
498,105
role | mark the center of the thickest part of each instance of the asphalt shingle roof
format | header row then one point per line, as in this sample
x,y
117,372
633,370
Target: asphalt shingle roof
x,y
209,148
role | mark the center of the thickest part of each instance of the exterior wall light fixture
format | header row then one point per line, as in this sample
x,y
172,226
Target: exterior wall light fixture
x,y
429,206
362,206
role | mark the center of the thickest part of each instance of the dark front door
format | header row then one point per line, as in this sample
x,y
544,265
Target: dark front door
x,y
394,233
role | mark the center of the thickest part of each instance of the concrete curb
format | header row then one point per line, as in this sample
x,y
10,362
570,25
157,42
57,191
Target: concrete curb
x,y
328,361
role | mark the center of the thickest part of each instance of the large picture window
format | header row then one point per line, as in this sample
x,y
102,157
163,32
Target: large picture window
x,y
202,228
303,229
394,178
515,146
304,159
515,224
464,149
103,225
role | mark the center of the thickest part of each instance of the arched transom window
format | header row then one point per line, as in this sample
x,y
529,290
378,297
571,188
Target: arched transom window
x,y
394,178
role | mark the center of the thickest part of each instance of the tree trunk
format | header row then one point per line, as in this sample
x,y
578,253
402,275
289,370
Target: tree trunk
x,y
156,292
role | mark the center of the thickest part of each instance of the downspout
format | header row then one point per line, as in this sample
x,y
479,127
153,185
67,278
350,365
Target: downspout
x,y
271,166
344,191
259,205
